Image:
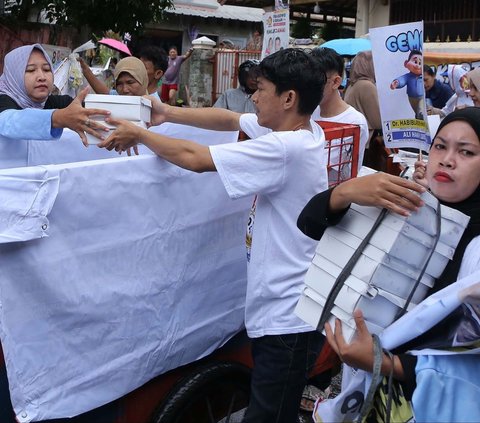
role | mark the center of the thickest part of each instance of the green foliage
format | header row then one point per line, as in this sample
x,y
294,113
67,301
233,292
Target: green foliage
x,y
103,53
331,30
302,28
118,15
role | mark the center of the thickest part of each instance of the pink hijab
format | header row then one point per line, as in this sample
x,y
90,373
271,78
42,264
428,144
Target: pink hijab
x,y
12,81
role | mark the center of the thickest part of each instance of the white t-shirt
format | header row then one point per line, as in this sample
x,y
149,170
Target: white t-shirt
x,y
353,117
284,169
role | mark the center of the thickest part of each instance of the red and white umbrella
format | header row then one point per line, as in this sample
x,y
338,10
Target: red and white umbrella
x,y
115,45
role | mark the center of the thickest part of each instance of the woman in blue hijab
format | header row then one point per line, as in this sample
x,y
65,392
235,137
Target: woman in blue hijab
x,y
28,110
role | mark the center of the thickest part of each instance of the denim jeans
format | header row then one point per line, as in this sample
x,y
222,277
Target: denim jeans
x,y
280,372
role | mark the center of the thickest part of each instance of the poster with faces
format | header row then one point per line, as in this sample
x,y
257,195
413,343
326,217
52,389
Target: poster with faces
x,y
276,31
398,59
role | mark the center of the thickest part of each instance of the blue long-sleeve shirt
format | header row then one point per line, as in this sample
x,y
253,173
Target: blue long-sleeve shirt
x,y
28,124
413,82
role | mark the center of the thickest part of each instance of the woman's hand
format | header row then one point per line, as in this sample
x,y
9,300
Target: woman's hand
x,y
125,136
380,189
420,172
357,354
79,119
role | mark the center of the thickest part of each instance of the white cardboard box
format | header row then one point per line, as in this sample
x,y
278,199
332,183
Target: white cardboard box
x,y
384,275
310,306
404,249
94,140
452,225
126,107
322,274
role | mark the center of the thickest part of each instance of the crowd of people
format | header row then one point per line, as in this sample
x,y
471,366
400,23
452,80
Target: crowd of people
x,y
284,168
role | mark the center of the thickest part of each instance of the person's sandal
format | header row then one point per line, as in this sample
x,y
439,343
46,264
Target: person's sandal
x,y
310,395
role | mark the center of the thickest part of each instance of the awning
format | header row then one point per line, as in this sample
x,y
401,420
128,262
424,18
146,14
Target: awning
x,y
237,13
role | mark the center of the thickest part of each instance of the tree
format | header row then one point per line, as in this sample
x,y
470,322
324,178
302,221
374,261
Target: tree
x,y
302,28
118,15
331,30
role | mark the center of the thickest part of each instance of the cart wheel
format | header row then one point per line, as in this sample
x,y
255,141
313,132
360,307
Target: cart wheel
x,y
208,395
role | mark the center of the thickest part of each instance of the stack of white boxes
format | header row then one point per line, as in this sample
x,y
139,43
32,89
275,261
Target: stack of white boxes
x,y
133,108
385,273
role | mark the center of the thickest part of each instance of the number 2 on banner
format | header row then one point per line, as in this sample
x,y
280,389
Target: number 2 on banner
x,y
389,137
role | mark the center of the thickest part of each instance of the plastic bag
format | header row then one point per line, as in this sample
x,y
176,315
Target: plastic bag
x,y
75,75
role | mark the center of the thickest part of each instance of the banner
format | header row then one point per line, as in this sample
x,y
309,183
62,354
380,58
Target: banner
x,y
276,29
398,59
439,55
57,54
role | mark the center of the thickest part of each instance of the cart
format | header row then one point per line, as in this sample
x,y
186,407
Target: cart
x,y
198,368
342,149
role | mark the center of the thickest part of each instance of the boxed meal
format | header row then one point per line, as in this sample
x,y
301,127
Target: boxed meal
x,y
94,140
385,273
126,107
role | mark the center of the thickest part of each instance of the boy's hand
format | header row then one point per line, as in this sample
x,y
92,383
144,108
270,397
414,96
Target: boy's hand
x,y
125,136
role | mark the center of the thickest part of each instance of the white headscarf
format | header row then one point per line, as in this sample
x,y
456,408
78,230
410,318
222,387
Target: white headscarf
x,y
457,79
12,81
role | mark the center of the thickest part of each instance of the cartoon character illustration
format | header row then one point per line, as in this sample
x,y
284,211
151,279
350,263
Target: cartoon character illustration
x,y
414,82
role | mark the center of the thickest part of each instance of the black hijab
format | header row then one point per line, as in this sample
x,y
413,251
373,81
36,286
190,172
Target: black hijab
x,y
470,206
435,337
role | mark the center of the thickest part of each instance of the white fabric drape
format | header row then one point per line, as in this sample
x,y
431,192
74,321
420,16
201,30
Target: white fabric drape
x,y
121,269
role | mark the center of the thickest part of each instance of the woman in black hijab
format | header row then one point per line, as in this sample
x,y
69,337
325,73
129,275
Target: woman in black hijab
x,y
453,176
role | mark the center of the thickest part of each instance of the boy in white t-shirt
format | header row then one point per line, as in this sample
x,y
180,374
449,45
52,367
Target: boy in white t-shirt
x,y
333,108
282,165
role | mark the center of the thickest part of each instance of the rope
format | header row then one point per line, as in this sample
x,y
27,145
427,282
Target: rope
x,y
345,273
438,220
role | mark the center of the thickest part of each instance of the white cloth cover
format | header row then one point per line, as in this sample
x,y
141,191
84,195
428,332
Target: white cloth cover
x,y
69,148
26,202
121,270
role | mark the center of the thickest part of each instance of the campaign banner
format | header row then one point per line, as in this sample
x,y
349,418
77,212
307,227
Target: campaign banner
x,y
276,30
57,54
439,55
398,59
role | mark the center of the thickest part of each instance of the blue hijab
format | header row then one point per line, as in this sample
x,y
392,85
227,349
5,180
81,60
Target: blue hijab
x,y
12,81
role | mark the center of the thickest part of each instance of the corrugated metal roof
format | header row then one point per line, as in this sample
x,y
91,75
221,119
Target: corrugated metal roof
x,y
344,8
237,13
